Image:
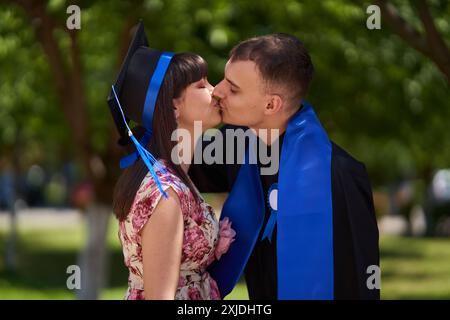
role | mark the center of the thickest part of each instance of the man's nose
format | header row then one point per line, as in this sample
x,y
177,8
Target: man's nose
x,y
218,92
210,88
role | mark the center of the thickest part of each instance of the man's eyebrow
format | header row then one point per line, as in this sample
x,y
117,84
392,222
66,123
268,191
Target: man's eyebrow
x,y
232,83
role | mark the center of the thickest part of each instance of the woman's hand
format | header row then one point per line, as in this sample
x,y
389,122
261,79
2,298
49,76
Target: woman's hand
x,y
226,237
162,240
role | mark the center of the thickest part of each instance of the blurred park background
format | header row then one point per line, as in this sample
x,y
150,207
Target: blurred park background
x,y
382,94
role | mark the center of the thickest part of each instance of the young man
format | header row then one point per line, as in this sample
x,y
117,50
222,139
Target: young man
x,y
304,231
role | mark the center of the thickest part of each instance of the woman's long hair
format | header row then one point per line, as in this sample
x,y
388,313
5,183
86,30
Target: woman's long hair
x,y
184,69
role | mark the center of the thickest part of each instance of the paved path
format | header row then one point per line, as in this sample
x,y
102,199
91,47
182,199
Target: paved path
x,y
42,218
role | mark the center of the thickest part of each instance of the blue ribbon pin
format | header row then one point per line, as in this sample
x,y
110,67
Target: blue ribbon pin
x,y
272,200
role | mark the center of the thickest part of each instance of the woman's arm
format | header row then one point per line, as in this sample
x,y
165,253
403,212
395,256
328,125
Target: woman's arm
x,y
162,239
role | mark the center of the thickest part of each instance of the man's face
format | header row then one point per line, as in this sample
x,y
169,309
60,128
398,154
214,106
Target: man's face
x,y
241,94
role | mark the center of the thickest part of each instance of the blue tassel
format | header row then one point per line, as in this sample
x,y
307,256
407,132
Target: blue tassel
x,y
130,159
146,156
149,160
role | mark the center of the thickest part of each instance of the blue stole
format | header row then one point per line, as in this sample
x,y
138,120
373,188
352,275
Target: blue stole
x,y
304,217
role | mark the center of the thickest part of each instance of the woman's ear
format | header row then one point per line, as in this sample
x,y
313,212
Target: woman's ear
x,y
177,104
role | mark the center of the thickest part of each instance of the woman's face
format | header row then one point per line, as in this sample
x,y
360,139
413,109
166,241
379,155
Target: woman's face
x,y
196,104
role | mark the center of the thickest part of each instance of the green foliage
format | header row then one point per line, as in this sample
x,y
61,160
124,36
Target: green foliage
x,y
377,97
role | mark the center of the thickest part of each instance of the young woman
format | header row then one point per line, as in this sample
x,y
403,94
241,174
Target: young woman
x,y
168,242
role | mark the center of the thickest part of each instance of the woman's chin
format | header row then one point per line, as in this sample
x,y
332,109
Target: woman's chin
x,y
211,122
210,125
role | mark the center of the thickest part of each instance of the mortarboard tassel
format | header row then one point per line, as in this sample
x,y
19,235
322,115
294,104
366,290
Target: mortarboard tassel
x,y
146,156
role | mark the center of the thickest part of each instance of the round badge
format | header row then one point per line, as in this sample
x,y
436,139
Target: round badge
x,y
273,199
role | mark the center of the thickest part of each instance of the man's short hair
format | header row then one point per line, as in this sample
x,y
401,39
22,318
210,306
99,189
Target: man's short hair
x,y
282,60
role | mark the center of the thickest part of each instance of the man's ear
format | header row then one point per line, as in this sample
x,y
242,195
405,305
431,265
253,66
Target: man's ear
x,y
274,104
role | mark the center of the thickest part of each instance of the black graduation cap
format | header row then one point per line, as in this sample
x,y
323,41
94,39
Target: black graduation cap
x,y
137,85
133,97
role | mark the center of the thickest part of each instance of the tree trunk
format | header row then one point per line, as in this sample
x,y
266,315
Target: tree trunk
x,y
94,258
10,252
101,170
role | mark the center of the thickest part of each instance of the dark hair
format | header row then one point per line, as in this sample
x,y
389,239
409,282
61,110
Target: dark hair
x,y
184,69
282,61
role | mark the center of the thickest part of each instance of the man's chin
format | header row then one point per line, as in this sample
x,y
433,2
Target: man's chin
x,y
231,121
226,119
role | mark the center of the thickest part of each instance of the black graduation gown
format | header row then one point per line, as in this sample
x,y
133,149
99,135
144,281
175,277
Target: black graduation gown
x,y
355,231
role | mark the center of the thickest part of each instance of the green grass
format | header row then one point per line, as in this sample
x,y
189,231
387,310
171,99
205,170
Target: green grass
x,y
411,268
44,255
415,268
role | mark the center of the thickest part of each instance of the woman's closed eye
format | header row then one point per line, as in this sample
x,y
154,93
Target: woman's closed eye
x,y
201,84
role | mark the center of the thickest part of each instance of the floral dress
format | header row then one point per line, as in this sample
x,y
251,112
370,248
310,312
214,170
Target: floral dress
x,y
204,240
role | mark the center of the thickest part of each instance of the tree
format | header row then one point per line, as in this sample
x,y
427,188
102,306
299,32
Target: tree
x,y
64,57
430,42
